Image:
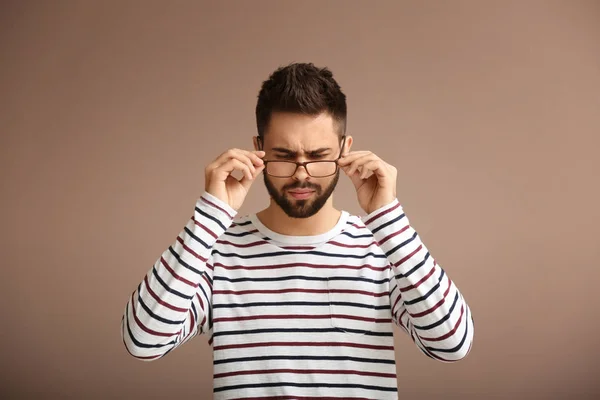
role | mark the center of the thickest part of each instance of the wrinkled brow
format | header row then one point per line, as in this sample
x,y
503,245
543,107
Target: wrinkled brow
x,y
294,153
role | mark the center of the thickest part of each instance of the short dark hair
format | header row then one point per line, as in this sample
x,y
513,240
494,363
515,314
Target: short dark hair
x,y
301,88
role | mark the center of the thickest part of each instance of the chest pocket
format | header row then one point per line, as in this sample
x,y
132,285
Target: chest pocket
x,y
359,305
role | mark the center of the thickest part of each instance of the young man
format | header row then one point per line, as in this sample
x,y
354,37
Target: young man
x,y
298,300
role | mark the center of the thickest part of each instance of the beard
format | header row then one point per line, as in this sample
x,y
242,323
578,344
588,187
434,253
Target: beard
x,y
301,208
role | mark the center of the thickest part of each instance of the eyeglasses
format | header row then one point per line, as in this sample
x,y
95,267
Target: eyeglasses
x,y
316,169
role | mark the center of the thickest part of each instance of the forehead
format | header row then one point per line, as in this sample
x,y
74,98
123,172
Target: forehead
x,y
299,132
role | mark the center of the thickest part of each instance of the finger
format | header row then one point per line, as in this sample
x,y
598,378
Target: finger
x,y
350,157
256,156
359,162
365,172
251,158
246,183
377,167
244,156
232,165
354,177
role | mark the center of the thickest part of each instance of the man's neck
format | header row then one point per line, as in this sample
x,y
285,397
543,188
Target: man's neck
x,y
274,218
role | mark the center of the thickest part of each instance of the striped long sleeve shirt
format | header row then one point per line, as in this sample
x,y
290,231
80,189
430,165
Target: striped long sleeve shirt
x,y
298,317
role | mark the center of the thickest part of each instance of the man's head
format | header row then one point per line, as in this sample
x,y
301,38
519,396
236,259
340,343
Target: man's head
x,y
301,116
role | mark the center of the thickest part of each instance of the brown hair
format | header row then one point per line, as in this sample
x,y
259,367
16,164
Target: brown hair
x,y
301,88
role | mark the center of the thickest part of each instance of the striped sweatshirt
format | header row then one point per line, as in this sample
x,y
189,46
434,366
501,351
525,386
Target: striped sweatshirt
x,y
298,317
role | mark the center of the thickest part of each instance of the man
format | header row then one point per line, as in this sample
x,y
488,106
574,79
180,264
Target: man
x,y
298,300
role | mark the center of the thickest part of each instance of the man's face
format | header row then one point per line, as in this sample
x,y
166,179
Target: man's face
x,y
297,137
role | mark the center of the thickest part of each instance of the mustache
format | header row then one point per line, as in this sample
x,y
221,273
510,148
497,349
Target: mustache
x,y
305,186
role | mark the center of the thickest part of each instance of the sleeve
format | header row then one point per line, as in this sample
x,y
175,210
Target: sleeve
x,y
172,303
425,302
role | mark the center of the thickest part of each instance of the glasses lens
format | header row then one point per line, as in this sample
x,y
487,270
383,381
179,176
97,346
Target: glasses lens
x,y
321,168
280,168
315,169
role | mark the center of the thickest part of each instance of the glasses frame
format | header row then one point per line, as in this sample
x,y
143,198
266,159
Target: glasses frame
x,y
305,163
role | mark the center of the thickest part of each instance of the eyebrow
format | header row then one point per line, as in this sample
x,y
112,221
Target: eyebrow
x,y
293,153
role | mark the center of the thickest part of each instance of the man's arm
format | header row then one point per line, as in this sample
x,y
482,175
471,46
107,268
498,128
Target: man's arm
x,y
424,301
172,303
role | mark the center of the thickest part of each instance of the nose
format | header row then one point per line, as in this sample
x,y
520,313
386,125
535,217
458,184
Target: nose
x,y
301,174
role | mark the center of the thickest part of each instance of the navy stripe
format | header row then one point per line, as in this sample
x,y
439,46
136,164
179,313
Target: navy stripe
x,y
413,269
207,215
300,330
248,222
369,235
284,253
306,385
392,251
137,342
458,346
314,358
441,321
195,312
207,305
196,238
398,218
156,317
426,295
300,303
181,262
167,288
239,234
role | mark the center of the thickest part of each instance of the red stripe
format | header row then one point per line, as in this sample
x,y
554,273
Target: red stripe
x,y
146,329
243,245
297,290
293,265
353,246
206,280
408,256
300,316
417,284
405,327
389,210
261,243
303,344
211,233
158,299
175,275
436,306
358,226
397,301
447,335
202,307
305,371
388,237
216,206
191,324
189,250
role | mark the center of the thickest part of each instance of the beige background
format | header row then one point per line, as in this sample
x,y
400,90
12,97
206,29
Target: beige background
x,y
111,109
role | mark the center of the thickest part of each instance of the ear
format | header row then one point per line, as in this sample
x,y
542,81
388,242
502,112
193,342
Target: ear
x,y
347,145
255,141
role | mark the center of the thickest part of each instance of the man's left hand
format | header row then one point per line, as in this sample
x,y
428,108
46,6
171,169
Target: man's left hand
x,y
373,178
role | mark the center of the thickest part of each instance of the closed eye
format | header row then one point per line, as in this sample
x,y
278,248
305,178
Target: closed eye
x,y
291,157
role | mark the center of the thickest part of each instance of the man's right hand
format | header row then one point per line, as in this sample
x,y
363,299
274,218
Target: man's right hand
x,y
220,183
